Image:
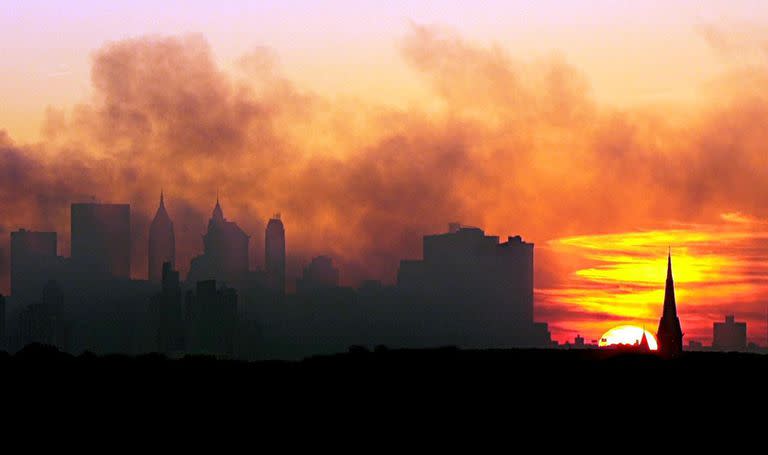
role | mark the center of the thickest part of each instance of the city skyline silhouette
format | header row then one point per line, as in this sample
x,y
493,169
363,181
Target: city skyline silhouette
x,y
317,162
468,289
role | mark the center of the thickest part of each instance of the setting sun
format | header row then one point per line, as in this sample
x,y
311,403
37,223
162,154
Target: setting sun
x,y
627,334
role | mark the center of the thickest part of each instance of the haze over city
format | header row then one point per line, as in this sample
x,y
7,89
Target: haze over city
x,y
604,134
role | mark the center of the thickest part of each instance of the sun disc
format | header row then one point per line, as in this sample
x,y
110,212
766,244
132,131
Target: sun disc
x,y
627,335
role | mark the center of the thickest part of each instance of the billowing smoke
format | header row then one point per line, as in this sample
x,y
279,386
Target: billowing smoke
x,y
513,145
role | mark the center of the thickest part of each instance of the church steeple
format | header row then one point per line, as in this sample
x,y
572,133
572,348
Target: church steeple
x,y
670,334
670,308
644,346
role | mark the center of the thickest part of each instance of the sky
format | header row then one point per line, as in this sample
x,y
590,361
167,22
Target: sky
x,y
602,131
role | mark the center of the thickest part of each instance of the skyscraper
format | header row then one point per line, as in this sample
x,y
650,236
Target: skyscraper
x,y
274,254
466,265
162,243
486,285
166,312
225,256
33,262
670,335
101,239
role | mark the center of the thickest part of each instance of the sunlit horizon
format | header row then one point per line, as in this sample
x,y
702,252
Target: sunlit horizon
x,y
716,268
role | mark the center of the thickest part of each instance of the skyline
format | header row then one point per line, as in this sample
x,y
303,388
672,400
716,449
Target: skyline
x,y
602,163
606,290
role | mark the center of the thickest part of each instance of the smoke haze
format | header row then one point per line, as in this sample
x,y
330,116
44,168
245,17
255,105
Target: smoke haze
x,y
511,144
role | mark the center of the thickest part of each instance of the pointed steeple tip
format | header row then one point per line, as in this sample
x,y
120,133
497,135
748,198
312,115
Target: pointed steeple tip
x,y
218,213
669,264
162,202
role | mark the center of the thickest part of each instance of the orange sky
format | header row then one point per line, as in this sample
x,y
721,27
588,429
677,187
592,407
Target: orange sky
x,y
603,138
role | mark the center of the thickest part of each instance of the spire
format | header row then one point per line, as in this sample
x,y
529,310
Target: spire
x,y
218,214
669,264
670,307
161,215
669,334
162,243
644,346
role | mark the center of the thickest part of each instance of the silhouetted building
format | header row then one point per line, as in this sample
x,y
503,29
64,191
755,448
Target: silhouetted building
x,y
578,341
42,322
3,336
469,266
318,275
33,263
101,239
643,346
274,254
166,312
162,243
225,256
211,319
485,280
729,335
670,334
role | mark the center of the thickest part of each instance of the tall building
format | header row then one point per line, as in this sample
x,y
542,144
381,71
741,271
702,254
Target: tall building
x,y
469,266
101,239
729,335
225,252
486,283
318,274
669,334
274,254
162,243
166,312
33,262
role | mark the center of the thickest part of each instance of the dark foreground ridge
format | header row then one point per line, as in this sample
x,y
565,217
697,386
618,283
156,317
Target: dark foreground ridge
x,y
536,368
586,388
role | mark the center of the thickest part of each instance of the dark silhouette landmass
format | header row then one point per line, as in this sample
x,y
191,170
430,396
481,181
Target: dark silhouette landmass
x,y
590,377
